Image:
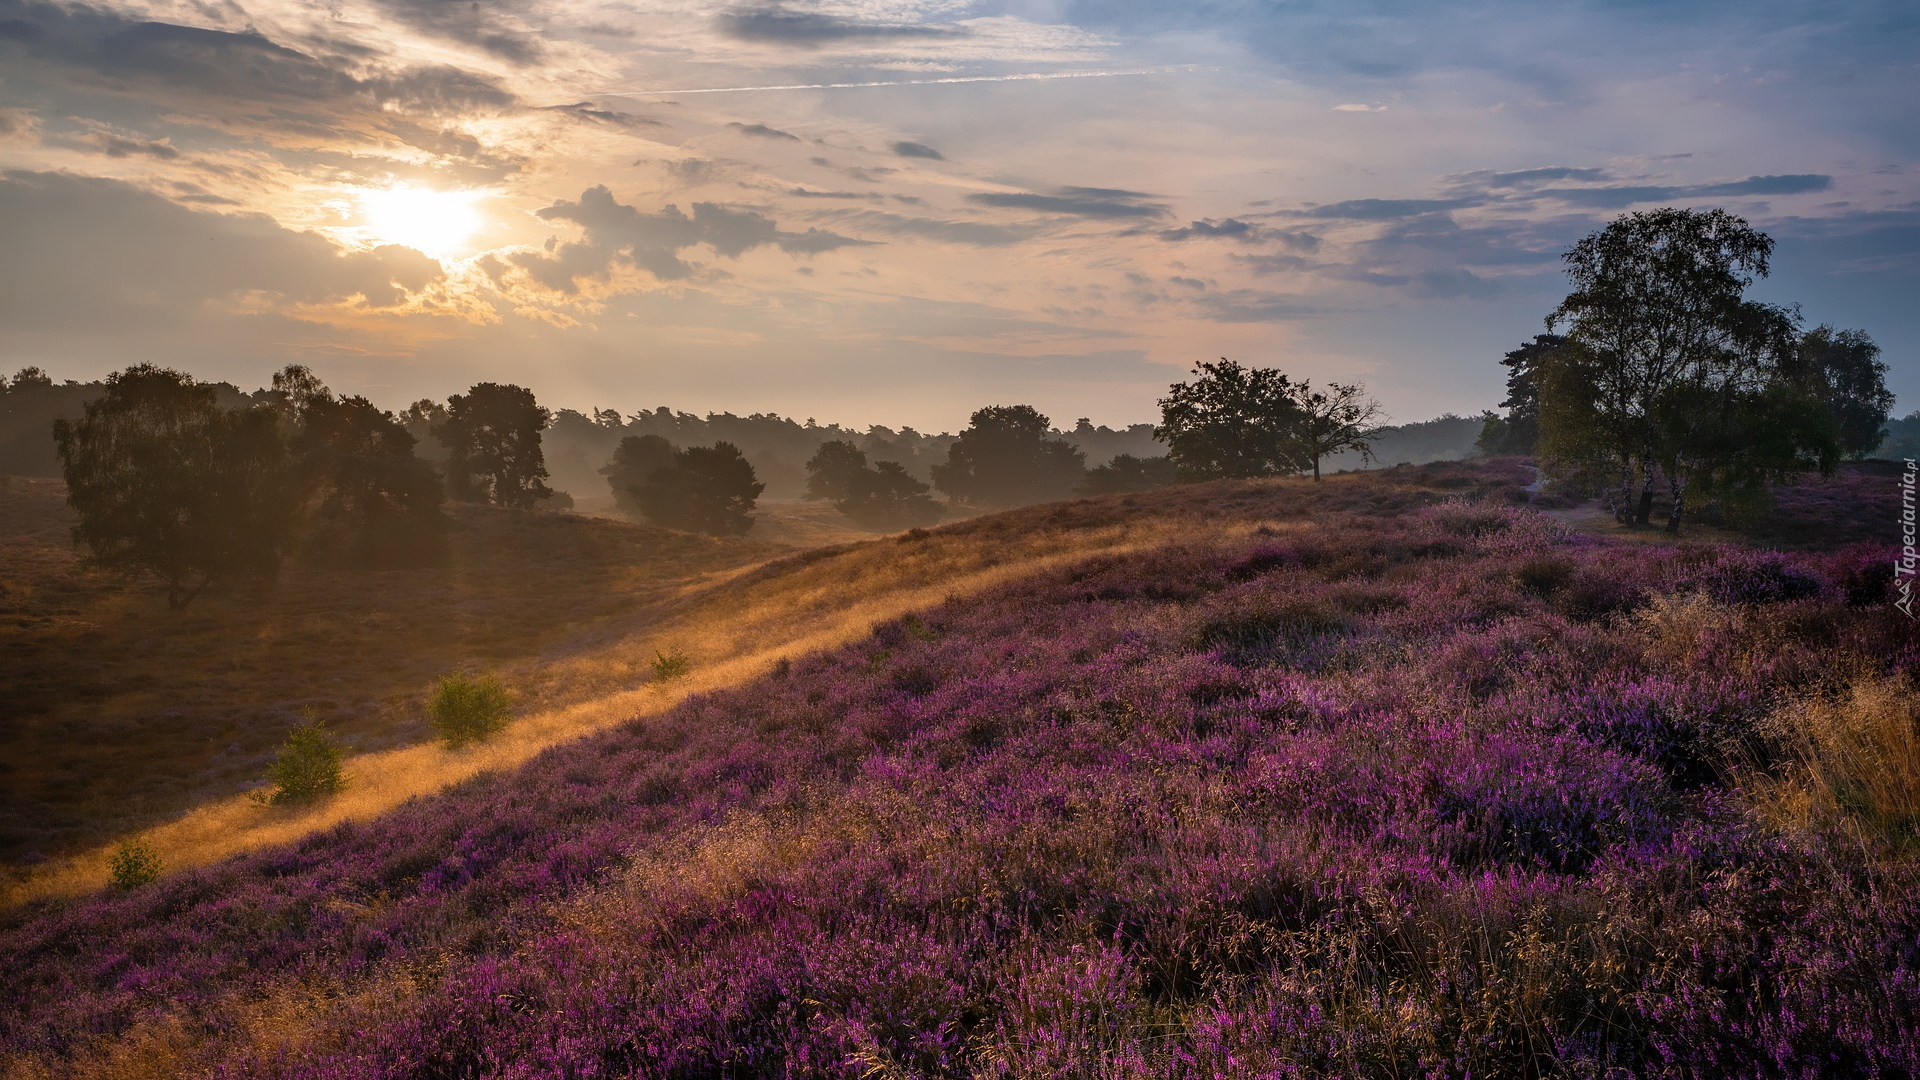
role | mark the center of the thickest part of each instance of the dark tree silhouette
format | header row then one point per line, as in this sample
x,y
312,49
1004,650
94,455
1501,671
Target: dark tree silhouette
x,y
708,489
1854,382
1338,418
369,500
492,438
1231,421
634,460
832,468
1669,370
888,497
1518,433
165,481
1129,473
1005,458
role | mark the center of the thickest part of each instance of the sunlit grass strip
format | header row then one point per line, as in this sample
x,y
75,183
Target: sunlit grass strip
x,y
786,619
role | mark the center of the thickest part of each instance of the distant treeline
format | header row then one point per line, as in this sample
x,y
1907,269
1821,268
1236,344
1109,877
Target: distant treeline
x,y
579,444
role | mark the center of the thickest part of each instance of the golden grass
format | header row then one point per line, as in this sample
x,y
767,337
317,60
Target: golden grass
x,y
1853,760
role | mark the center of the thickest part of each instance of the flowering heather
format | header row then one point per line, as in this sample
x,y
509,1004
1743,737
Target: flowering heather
x,y
1435,792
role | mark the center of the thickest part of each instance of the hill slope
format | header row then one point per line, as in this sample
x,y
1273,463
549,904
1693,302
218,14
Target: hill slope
x,y
1285,781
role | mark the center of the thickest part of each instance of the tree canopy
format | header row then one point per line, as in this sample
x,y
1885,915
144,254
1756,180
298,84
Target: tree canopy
x,y
166,481
1005,458
831,469
888,497
1518,433
1853,380
1669,371
369,500
1234,421
1230,421
492,437
636,458
710,489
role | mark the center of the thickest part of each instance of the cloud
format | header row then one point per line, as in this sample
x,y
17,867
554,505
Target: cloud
x,y
1356,107
1531,177
971,233
1620,196
917,150
118,147
1379,209
96,255
1231,228
471,24
1075,201
806,193
1252,306
764,132
810,28
617,234
102,49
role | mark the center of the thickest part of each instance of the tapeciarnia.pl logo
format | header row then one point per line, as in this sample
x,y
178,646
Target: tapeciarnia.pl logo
x,y
1903,567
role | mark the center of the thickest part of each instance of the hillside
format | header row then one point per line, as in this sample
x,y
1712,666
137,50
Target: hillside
x,y
120,713
1260,778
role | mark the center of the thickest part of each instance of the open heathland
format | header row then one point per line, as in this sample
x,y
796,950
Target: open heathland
x,y
1347,779
118,712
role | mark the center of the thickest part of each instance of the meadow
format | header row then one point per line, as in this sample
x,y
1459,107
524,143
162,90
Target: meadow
x,y
1386,776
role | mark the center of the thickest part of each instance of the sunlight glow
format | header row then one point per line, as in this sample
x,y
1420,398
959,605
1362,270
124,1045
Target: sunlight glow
x,y
435,223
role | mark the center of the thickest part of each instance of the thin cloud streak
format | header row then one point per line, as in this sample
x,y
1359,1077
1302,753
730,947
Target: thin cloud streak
x,y
1034,76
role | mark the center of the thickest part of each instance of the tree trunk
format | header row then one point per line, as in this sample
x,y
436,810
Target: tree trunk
x,y
1644,514
1316,468
1620,511
1679,505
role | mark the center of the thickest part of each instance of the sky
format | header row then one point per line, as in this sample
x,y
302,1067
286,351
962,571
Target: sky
x,y
896,211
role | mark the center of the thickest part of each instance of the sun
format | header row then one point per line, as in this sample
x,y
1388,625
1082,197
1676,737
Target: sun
x,y
436,223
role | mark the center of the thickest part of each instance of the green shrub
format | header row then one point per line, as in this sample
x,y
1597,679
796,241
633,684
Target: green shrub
x,y
307,767
669,666
467,710
134,864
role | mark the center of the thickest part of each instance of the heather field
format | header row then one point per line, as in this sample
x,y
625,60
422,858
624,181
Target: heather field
x,y
1389,776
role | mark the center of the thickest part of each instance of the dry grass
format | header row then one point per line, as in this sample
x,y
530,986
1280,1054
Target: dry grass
x,y
118,713
1853,760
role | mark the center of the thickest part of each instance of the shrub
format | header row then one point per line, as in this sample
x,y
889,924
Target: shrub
x,y
307,767
1752,577
468,710
669,666
134,863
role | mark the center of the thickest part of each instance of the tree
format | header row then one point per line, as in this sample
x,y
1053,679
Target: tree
x,y
1005,458
165,481
492,436
708,489
369,499
634,460
1854,384
831,469
887,497
1230,421
1127,472
1518,433
1667,366
1327,422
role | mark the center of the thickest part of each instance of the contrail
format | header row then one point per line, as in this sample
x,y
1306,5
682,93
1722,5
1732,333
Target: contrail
x,y
1028,77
